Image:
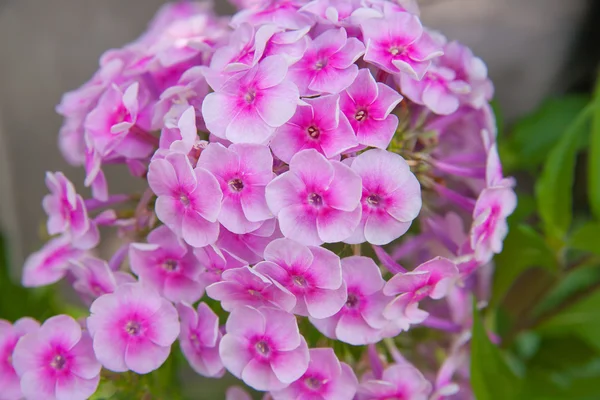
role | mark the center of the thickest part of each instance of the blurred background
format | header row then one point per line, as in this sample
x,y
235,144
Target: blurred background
x,y
534,49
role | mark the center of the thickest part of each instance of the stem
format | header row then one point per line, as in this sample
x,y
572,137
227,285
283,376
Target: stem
x,y
356,249
93,204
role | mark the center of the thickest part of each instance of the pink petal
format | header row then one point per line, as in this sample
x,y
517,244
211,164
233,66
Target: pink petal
x,y
110,350
197,231
288,253
345,190
234,354
36,383
348,54
73,387
312,168
406,282
271,71
218,109
335,225
333,80
362,272
277,105
283,191
143,356
282,329
164,325
246,321
259,375
299,224
364,89
249,127
85,365
323,303
254,204
354,330
381,228
208,195
326,269
291,365
437,98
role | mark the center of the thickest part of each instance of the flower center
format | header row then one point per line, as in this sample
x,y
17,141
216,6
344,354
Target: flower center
x,y
313,383
395,50
133,328
313,132
352,300
58,362
262,348
170,265
319,65
250,96
423,291
236,185
361,115
184,200
373,200
315,199
299,281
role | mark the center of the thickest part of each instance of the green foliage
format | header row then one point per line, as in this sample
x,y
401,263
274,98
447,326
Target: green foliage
x,y
594,157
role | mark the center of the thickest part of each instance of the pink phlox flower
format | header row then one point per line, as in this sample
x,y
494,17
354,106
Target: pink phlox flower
x,y
246,286
367,104
289,44
249,246
325,379
282,13
433,279
189,200
317,200
328,65
51,263
132,329
67,213
9,336
312,274
179,139
493,170
489,227
317,124
214,261
264,347
402,381
167,265
94,277
243,171
397,43
199,339
253,103
336,12
440,89
57,361
360,321
391,197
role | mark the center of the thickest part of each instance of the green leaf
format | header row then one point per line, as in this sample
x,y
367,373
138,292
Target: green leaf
x,y
554,188
523,248
491,377
534,136
586,238
594,157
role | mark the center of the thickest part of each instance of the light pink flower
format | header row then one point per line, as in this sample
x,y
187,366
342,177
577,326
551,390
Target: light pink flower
x,y
199,339
489,228
93,277
360,321
214,261
189,200
247,286
391,197
264,348
367,104
325,379
282,13
67,213
167,265
51,263
312,274
328,65
433,279
9,336
336,12
397,43
252,104
318,124
180,138
57,361
249,247
317,200
243,171
402,381
132,329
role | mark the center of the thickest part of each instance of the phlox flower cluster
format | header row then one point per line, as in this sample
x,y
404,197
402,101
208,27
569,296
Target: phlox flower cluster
x,y
320,177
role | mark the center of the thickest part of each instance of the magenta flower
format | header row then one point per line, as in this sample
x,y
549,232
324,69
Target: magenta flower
x,y
67,213
367,104
246,286
264,348
93,277
57,361
9,336
189,200
312,274
317,200
325,379
319,124
51,263
199,339
433,279
167,265
243,171
252,104
214,261
328,65
249,247
360,321
132,329
391,197
397,43
399,381
489,228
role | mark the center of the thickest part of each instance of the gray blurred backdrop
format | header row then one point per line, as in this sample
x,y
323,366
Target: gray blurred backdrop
x,y
50,46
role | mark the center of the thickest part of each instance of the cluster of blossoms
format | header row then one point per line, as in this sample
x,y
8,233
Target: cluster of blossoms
x,y
324,171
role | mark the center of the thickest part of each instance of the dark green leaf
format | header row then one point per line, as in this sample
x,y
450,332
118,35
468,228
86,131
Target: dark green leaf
x,y
491,377
586,238
594,157
554,188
